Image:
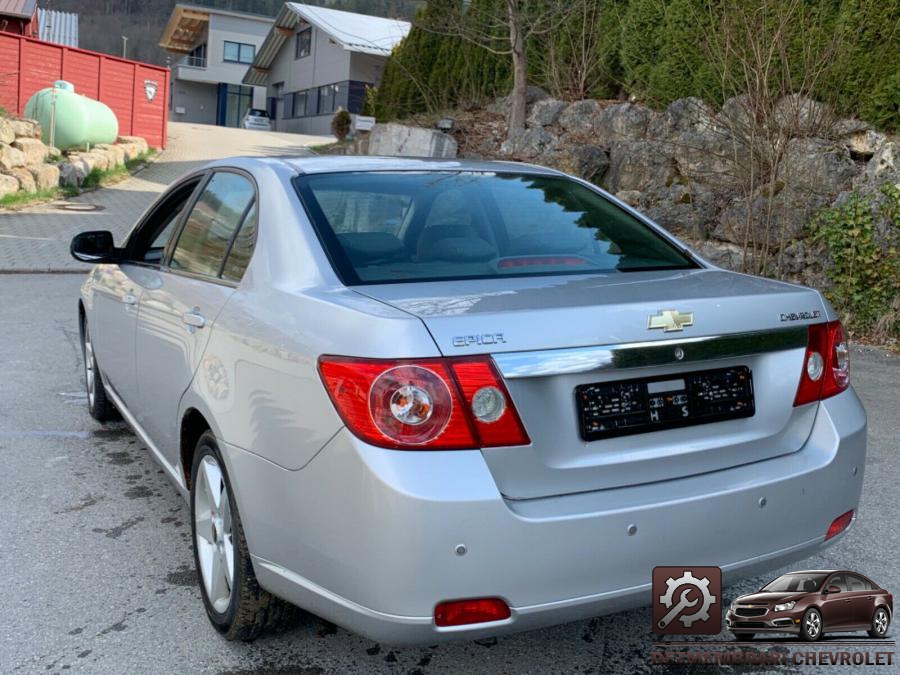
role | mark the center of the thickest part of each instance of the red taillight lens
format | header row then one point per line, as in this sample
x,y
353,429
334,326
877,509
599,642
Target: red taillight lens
x,y
440,404
839,524
463,612
826,364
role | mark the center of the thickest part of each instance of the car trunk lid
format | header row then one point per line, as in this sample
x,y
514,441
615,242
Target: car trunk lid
x,y
550,335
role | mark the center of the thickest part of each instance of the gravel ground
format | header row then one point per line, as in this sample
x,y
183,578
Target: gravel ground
x,y
96,545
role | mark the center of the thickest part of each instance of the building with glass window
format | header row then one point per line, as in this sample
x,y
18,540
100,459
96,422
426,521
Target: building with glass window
x,y
315,60
212,49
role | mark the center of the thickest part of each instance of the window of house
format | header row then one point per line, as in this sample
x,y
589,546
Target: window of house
x,y
238,52
327,98
303,46
300,101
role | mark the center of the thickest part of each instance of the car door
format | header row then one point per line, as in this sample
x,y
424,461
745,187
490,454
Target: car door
x,y
862,599
186,296
118,288
837,611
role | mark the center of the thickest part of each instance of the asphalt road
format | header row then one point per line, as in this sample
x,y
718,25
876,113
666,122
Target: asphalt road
x,y
95,544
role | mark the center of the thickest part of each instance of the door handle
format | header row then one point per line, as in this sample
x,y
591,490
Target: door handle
x,y
849,600
194,319
129,299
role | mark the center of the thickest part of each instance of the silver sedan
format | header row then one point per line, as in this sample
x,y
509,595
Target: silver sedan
x,y
434,399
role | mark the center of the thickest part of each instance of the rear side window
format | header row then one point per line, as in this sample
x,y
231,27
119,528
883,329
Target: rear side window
x,y
383,227
242,248
858,583
212,224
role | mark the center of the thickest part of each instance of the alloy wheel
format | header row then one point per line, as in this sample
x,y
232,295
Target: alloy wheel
x,y
813,625
881,622
214,537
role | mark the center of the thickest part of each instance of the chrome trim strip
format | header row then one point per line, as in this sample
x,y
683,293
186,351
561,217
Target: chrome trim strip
x,y
578,360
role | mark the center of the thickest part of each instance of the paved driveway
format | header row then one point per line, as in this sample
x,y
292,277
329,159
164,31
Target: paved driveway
x,y
95,545
37,239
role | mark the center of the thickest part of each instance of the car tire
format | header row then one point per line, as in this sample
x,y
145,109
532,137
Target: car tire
x,y
235,603
744,637
99,405
880,623
811,625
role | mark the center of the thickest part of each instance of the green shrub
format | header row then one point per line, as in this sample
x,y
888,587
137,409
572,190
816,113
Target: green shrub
x,y
340,124
864,261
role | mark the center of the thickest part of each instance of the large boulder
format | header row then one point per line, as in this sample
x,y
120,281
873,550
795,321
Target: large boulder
x,y
546,112
45,176
26,128
816,166
686,115
11,157
736,115
9,185
682,210
585,161
621,121
769,221
7,133
116,152
35,151
528,143
885,163
137,141
638,165
23,175
398,140
578,118
73,170
797,115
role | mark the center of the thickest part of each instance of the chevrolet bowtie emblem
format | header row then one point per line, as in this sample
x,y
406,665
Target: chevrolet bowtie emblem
x,y
670,320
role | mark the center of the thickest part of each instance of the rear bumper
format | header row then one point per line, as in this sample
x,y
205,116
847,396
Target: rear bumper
x,y
368,538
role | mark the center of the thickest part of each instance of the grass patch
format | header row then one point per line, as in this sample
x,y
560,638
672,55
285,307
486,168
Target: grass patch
x,y
101,177
20,199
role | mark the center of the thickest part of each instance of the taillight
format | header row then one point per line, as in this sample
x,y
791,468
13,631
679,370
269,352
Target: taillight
x,y
464,612
839,524
408,404
826,364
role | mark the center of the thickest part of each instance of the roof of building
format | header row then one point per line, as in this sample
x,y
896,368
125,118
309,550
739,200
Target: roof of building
x,y
354,32
58,27
18,8
187,22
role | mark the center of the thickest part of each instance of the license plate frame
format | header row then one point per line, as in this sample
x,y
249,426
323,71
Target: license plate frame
x,y
625,407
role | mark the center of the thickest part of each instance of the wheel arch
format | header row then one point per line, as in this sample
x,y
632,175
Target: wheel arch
x,y
193,425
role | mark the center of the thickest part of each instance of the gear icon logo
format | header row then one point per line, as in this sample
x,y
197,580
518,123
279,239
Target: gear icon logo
x,y
687,600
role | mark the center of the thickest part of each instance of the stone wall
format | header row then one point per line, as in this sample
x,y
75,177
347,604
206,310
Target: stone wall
x,y
28,165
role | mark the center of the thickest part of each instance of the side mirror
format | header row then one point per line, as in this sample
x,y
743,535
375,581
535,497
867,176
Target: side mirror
x,y
833,589
96,246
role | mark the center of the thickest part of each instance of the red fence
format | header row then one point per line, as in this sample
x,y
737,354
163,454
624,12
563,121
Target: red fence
x,y
138,93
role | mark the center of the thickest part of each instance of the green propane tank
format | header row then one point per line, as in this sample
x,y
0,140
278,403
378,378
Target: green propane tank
x,y
79,121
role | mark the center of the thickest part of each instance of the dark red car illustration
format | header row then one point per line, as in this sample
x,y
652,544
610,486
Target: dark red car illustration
x,y
811,603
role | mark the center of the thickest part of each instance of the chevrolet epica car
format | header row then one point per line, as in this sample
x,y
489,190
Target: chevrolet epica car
x,y
436,399
809,604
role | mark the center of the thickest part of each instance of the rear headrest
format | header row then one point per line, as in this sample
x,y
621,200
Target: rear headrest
x,y
459,249
367,247
544,243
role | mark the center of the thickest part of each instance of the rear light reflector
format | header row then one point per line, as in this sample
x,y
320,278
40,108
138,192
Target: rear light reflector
x,y
839,524
826,364
409,404
465,612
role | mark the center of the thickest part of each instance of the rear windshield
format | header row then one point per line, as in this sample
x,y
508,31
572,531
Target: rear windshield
x,y
803,583
382,227
256,112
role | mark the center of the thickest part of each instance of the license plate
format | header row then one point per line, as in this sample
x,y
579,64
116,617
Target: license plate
x,y
628,407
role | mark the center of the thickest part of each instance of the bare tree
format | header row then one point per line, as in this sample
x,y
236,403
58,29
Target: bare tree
x,y
571,62
503,27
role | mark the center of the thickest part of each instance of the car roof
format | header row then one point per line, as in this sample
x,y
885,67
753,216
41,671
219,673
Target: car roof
x,y
815,572
315,164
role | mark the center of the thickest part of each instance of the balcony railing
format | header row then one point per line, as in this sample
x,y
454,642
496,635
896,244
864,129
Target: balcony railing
x,y
193,62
